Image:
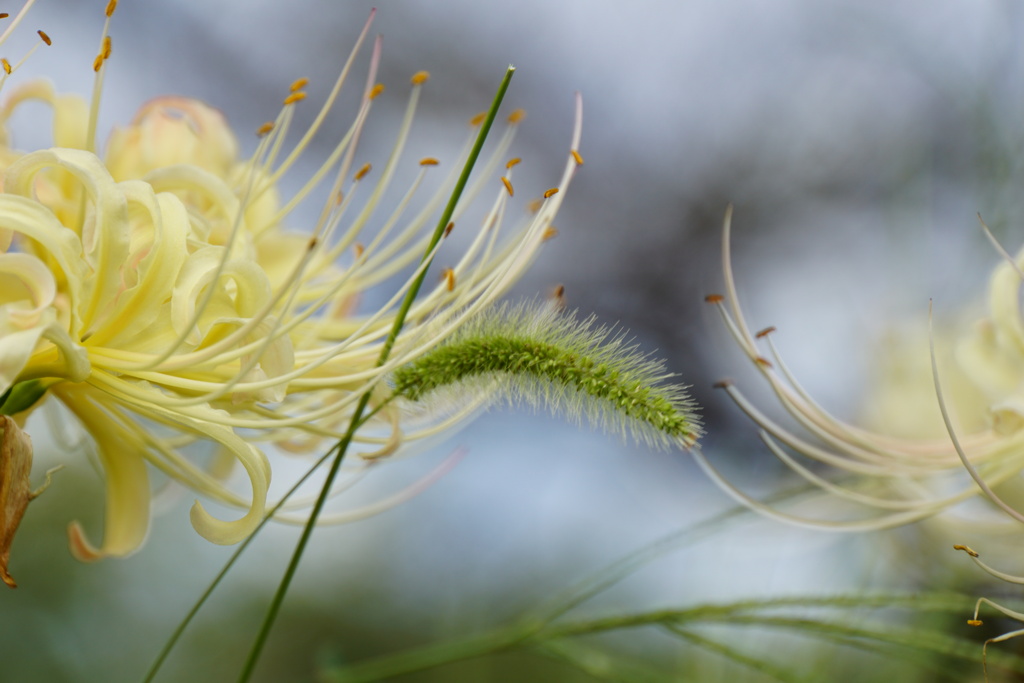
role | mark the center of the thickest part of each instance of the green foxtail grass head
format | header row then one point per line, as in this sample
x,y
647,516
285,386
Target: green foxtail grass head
x,y
534,354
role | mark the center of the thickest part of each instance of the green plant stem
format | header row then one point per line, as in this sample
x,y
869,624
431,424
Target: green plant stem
x,y
532,633
741,658
429,657
180,630
603,579
389,343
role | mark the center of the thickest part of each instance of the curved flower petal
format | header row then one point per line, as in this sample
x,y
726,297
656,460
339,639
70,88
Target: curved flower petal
x,y
252,289
207,194
169,131
23,216
70,112
104,232
1004,304
17,347
126,520
28,290
158,251
256,466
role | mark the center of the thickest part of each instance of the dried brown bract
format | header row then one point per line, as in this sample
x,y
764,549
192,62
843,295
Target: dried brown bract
x,y
15,492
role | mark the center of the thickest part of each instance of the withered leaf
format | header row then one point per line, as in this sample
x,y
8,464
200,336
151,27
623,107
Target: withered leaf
x,y
15,494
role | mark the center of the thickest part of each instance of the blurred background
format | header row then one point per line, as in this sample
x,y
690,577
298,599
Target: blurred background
x,y
856,142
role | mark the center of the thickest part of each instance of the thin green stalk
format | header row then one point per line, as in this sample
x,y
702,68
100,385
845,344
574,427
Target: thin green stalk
x,y
531,632
429,657
389,343
739,612
180,630
605,578
754,663
594,661
902,642
434,655
154,668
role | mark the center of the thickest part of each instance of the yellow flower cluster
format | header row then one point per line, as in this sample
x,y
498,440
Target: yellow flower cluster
x,y
155,291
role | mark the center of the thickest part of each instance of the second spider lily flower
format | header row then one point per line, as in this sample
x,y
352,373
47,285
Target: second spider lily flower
x,y
885,480
156,293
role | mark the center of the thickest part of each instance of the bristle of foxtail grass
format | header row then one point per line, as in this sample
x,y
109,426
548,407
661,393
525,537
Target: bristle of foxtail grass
x,y
532,354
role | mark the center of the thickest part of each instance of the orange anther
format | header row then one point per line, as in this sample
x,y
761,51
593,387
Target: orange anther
x,y
558,292
723,384
577,157
107,47
448,275
512,162
508,186
376,90
478,119
429,161
361,173
265,128
4,15
358,248
714,299
420,77
763,362
534,206
974,622
448,228
98,62
298,84
111,6
46,38
550,193
765,332
6,65
550,232
517,116
294,97
965,549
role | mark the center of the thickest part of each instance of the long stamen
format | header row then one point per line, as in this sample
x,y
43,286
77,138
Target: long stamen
x,y
328,104
389,166
999,248
384,504
13,25
9,69
509,265
277,132
989,493
98,66
976,558
872,524
401,252
907,471
324,357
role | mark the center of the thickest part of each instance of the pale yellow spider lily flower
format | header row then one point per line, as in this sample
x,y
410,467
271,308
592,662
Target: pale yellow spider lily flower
x,y
155,292
886,480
